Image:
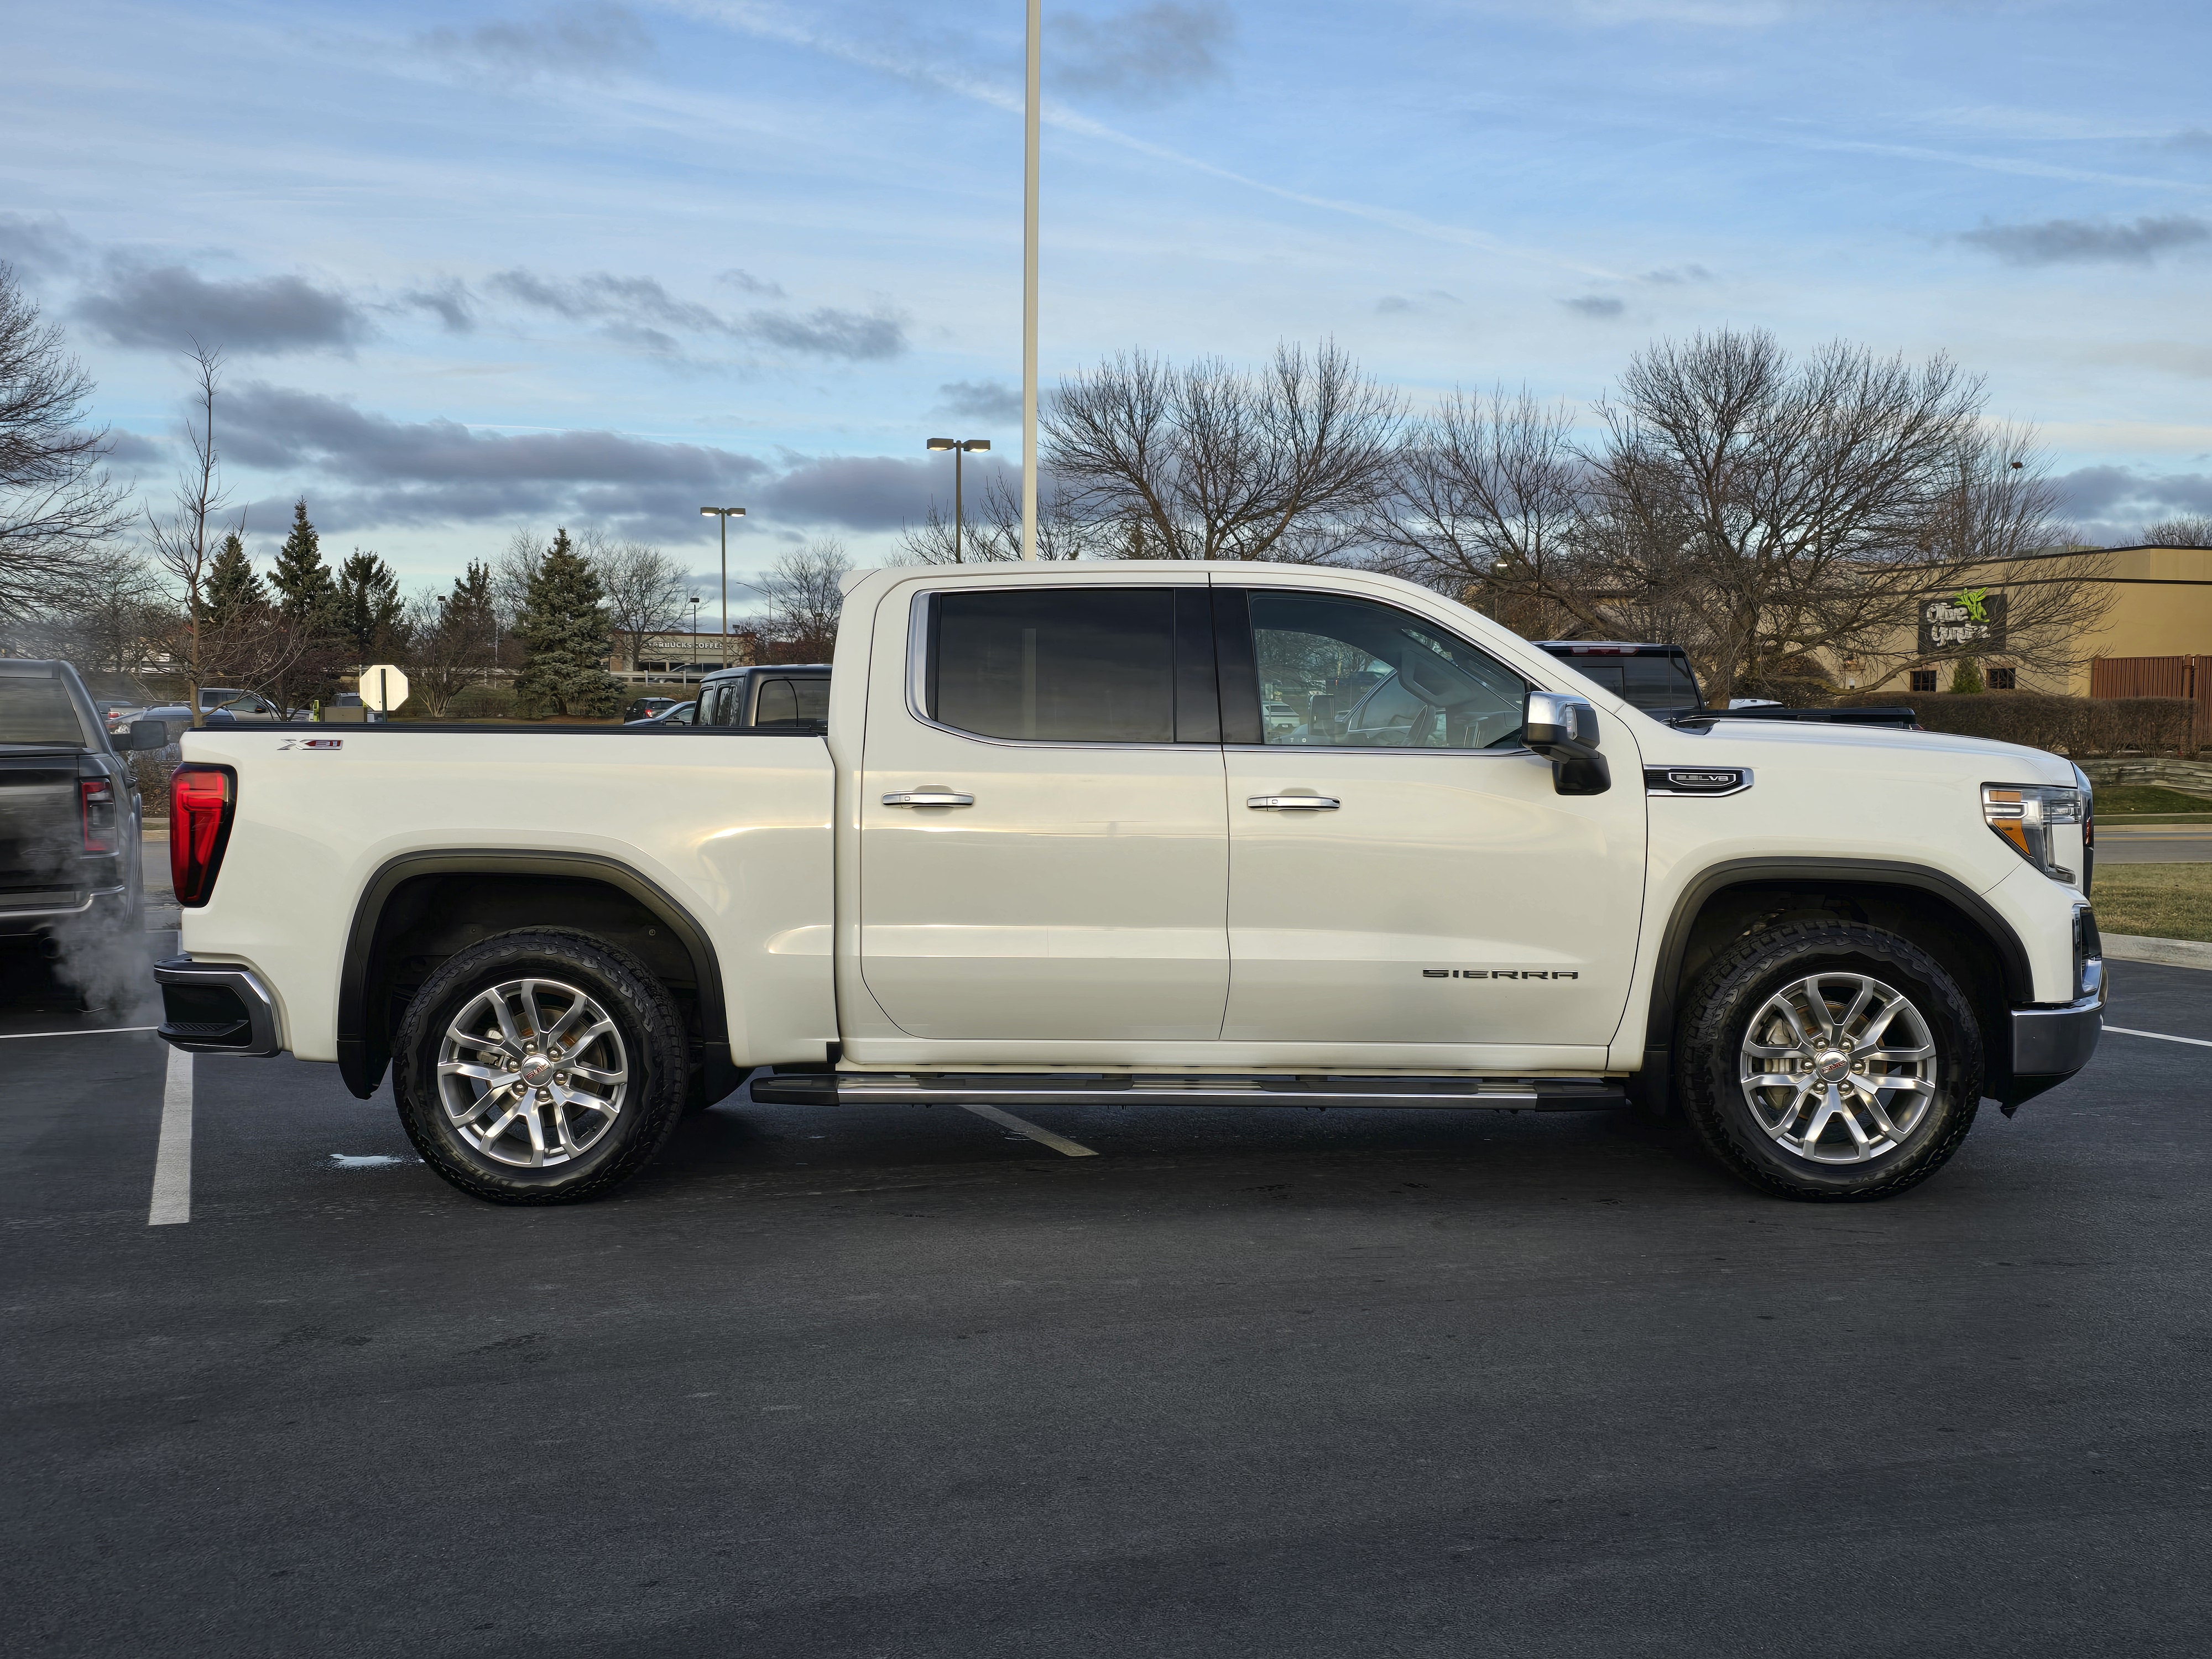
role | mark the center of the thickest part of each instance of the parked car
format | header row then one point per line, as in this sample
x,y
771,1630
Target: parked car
x,y
643,708
222,706
69,811
1049,849
1659,680
682,713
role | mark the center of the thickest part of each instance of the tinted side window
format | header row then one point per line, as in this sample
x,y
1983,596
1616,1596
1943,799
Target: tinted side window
x,y
1055,665
800,705
1352,674
714,702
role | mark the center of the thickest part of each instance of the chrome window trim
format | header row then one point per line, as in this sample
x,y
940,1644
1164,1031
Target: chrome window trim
x,y
1368,749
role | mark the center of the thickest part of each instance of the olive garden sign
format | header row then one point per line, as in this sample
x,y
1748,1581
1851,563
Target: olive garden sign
x,y
1966,623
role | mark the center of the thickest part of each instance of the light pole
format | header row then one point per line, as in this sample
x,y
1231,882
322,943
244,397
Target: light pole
x,y
693,642
1030,116
959,446
724,513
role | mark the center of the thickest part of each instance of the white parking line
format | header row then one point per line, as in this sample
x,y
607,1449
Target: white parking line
x,y
2197,1042
1019,1126
173,1163
102,1031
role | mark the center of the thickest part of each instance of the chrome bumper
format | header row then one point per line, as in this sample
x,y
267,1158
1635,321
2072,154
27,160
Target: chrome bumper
x,y
40,917
2049,1044
215,1008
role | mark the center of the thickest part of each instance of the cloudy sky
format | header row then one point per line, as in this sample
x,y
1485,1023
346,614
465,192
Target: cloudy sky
x,y
482,265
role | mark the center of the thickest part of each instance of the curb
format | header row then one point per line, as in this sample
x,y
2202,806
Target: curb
x,y
2167,952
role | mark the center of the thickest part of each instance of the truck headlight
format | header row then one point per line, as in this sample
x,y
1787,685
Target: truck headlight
x,y
2024,815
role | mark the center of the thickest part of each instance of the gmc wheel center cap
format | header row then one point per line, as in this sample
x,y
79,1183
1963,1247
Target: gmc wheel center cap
x,y
536,1069
1833,1068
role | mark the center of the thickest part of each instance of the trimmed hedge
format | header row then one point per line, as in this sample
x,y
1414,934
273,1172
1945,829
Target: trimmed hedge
x,y
2066,726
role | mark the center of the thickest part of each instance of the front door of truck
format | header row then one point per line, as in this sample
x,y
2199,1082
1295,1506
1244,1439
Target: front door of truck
x,y
1044,837
1401,870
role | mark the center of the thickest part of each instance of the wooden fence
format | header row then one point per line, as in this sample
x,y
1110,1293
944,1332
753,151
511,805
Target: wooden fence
x,y
2158,676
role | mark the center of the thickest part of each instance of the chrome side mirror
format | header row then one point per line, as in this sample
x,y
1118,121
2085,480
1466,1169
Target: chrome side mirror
x,y
1564,730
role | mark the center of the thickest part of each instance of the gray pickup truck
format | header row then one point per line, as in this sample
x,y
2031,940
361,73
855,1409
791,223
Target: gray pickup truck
x,y
69,808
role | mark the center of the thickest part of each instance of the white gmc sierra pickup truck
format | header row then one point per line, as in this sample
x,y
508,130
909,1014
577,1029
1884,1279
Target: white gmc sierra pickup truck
x,y
1155,833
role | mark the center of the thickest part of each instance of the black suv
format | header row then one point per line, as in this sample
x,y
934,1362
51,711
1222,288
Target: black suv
x,y
68,808
1657,678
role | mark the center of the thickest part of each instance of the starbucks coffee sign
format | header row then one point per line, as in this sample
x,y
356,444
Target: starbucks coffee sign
x,y
1968,623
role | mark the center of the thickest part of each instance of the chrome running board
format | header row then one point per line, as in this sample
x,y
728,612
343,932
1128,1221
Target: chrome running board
x,y
823,1087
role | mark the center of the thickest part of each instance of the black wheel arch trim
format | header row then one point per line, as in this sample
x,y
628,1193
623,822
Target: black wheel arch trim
x,y
362,1056
2012,956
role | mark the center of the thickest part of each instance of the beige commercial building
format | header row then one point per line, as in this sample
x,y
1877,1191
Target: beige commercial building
x,y
681,652
2159,606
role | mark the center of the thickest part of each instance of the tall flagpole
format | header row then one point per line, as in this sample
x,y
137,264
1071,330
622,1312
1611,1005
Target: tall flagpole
x,y
1030,298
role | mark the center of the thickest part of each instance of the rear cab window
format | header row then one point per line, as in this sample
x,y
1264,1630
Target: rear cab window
x,y
38,710
1071,665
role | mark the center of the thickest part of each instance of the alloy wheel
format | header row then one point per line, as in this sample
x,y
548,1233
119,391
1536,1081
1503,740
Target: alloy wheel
x,y
1839,1068
532,1072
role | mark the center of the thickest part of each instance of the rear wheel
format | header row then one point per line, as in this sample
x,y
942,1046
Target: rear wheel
x,y
540,1067
1830,1061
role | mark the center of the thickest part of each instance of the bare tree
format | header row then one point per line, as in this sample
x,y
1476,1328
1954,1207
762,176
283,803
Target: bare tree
x,y
120,616
60,510
1489,503
645,589
183,544
993,528
512,573
1208,461
450,647
1793,497
805,589
2191,530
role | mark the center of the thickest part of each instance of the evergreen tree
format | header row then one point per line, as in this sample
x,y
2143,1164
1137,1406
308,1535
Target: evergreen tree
x,y
564,625
366,608
467,610
1967,676
304,586
235,591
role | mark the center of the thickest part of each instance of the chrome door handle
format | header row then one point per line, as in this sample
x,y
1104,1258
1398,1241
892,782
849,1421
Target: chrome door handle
x,y
1293,803
929,798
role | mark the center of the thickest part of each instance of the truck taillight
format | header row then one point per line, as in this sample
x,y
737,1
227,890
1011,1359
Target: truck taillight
x,y
95,801
201,799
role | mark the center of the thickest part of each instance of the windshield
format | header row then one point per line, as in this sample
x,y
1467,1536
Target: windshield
x,y
39,711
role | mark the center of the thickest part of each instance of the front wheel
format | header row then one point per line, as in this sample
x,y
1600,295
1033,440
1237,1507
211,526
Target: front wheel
x,y
1830,1061
540,1067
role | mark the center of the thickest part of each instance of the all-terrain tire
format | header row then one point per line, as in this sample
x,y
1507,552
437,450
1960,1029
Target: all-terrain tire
x,y
654,1042
1714,1028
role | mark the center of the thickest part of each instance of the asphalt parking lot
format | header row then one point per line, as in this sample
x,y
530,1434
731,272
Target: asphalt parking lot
x,y
1269,1383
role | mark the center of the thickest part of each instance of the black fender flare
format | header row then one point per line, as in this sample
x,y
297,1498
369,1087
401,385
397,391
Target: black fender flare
x,y
2018,974
362,1056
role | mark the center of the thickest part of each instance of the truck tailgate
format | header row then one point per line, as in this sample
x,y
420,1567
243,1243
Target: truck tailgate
x,y
41,839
